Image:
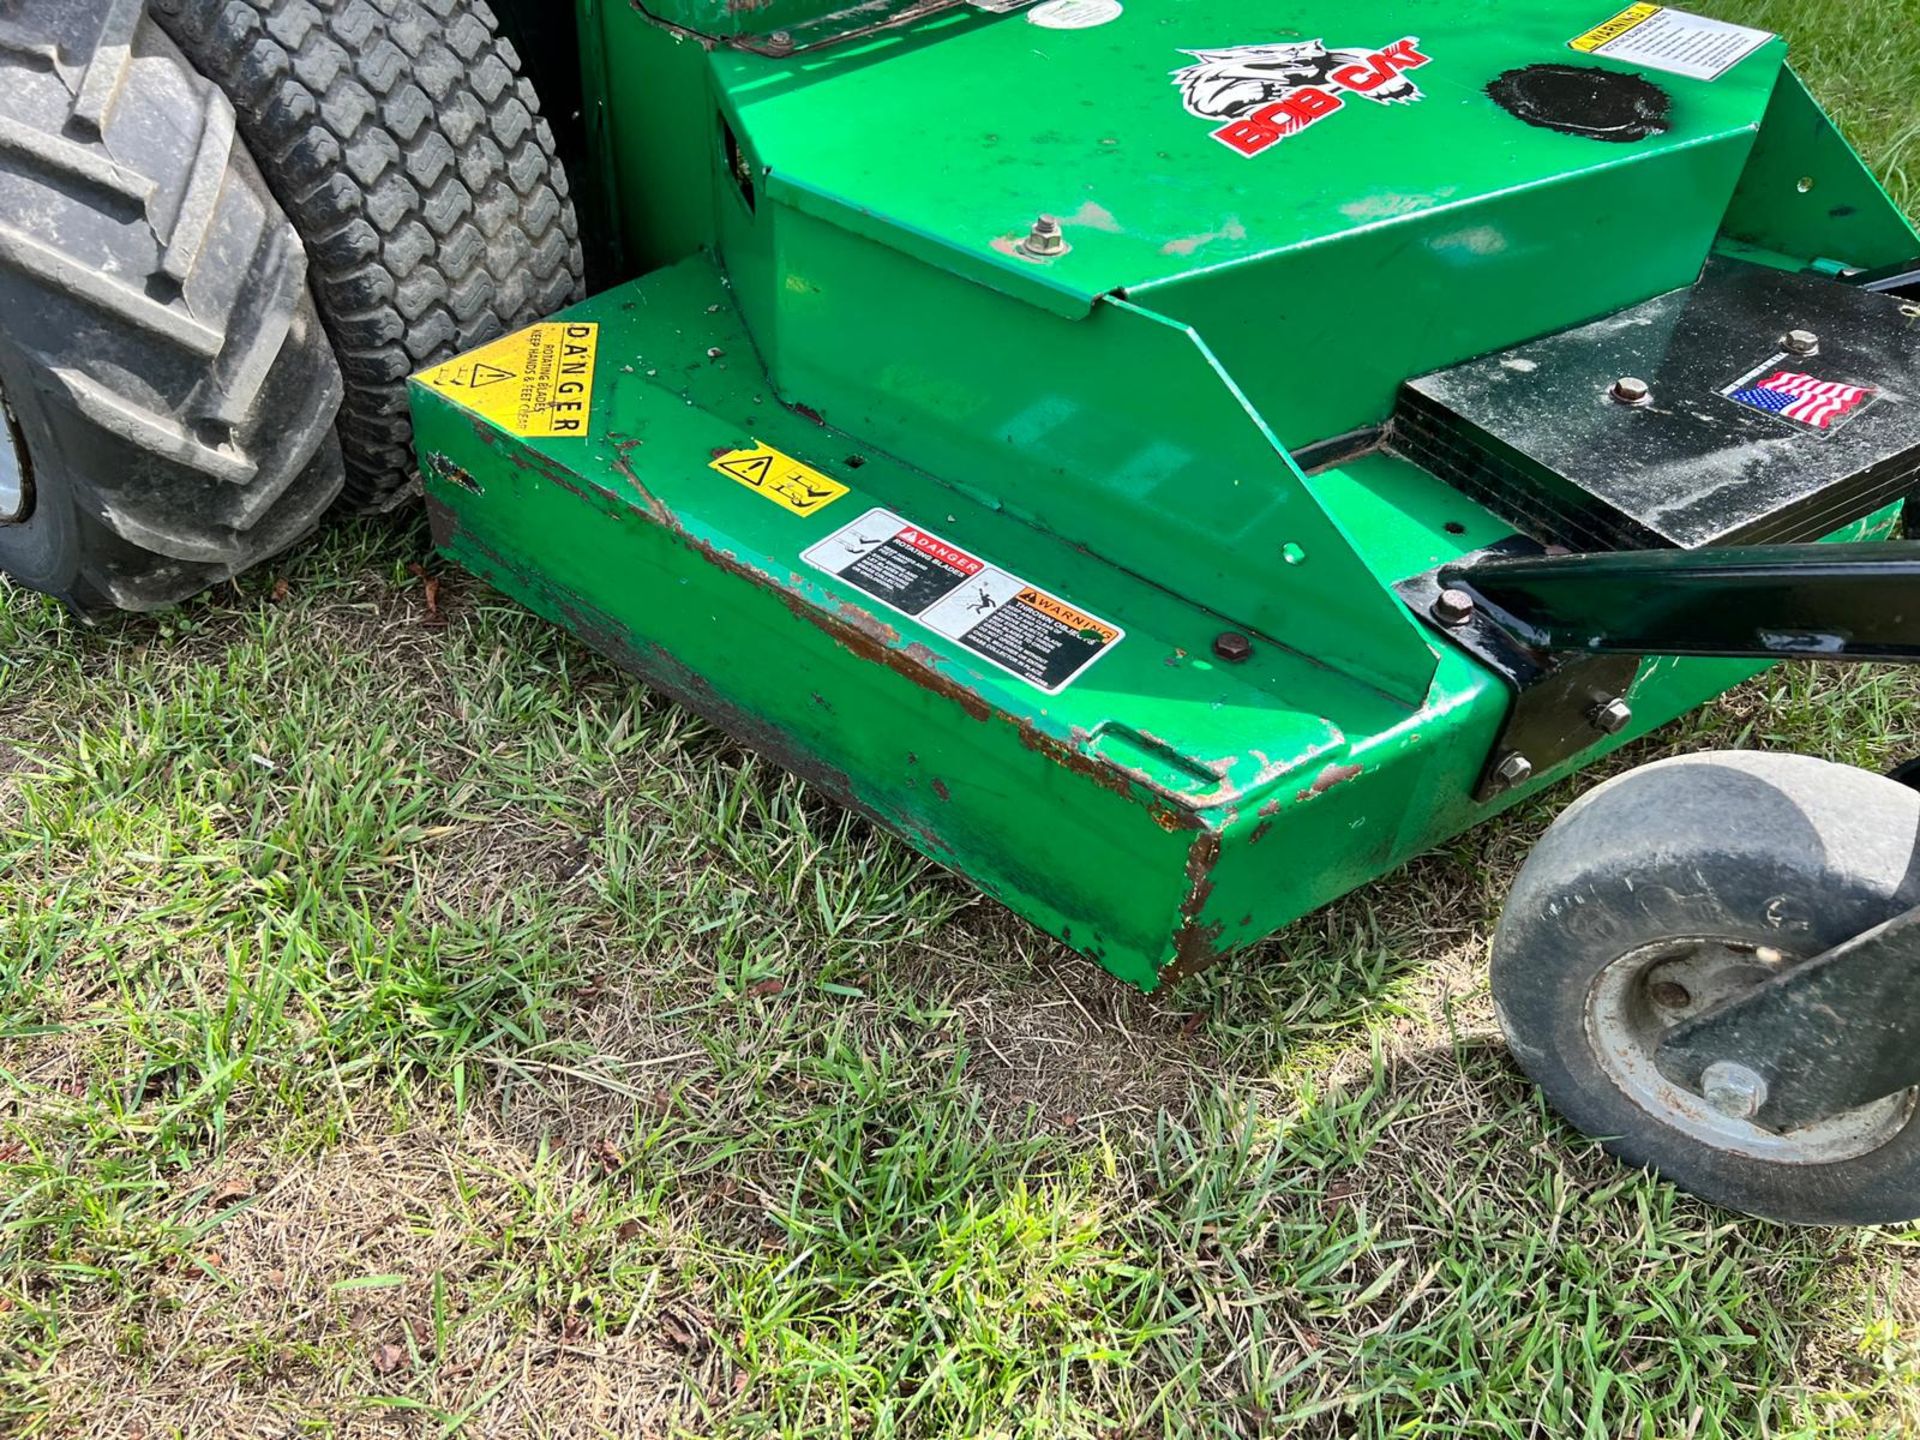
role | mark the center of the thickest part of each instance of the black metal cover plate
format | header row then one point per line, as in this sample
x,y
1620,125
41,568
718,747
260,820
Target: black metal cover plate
x,y
1534,434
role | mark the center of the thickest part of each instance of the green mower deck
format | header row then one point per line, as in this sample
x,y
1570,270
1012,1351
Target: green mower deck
x,y
1164,808
1074,564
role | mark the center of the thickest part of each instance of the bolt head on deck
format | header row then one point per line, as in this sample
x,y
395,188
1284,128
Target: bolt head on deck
x,y
1045,238
1631,390
1232,646
1733,1090
1453,607
1513,769
1801,342
1612,717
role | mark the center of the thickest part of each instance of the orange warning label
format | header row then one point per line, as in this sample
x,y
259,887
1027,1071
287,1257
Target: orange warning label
x,y
1066,615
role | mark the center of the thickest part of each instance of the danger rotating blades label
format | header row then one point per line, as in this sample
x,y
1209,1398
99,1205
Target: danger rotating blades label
x,y
1019,627
536,383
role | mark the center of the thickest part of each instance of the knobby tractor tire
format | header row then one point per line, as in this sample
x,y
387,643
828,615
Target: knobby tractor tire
x,y
401,138
159,351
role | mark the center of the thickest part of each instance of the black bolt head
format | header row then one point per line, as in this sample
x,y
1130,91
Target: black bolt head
x,y
1232,646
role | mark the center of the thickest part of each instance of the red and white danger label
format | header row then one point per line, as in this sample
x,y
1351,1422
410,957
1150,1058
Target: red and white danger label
x,y
1019,627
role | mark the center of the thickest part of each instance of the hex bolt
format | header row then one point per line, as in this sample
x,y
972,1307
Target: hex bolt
x,y
1801,342
1733,1090
1630,390
780,42
1612,717
1232,646
1513,769
1453,607
1045,238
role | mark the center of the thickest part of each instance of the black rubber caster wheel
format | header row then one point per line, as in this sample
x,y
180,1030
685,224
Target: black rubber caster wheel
x,y
1673,888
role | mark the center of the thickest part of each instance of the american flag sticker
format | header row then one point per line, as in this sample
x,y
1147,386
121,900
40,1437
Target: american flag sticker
x,y
1804,399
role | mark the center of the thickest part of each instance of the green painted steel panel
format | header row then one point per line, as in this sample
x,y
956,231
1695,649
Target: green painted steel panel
x,y
784,25
651,99
1806,194
1118,431
1162,809
1363,312
960,144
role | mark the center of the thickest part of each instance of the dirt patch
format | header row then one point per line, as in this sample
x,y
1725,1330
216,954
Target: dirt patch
x,y
354,1288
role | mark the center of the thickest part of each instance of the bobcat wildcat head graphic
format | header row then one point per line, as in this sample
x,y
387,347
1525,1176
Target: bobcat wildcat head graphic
x,y
1267,92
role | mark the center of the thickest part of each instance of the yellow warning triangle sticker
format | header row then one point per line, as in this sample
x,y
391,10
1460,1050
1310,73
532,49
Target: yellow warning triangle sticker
x,y
750,468
536,383
787,482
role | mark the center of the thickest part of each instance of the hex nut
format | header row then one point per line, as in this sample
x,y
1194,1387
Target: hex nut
x,y
1733,1090
1513,769
1453,607
1631,390
1232,646
1612,717
1045,238
1801,342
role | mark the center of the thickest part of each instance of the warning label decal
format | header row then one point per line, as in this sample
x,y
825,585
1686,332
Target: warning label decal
x,y
1662,38
536,383
781,478
1019,627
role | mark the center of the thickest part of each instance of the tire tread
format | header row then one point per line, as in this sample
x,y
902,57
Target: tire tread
x,y
407,146
158,390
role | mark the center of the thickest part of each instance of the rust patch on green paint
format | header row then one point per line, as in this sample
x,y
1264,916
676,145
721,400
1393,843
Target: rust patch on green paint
x,y
1196,945
853,628
1331,776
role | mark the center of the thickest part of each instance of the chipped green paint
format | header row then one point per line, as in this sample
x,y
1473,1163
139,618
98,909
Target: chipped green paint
x,y
834,240
1163,809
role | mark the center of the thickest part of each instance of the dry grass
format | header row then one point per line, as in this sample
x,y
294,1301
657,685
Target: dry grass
x,y
411,1026
546,1065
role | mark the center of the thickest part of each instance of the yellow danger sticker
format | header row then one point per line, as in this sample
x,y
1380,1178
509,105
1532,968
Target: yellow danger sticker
x,y
781,478
536,383
1616,27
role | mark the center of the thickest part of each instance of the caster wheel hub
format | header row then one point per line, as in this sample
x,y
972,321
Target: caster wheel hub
x,y
1646,992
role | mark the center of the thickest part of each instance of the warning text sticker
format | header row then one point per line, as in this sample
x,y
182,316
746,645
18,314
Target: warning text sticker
x,y
537,382
780,478
1019,627
1662,38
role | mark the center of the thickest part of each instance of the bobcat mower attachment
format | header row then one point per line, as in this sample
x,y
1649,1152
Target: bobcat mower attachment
x,y
1175,464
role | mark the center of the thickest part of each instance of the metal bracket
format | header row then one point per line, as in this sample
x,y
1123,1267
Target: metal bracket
x,y
1900,281
1762,602
1838,1032
1562,703
1567,632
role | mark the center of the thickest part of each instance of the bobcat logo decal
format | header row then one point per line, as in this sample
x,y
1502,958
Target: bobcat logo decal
x,y
1266,93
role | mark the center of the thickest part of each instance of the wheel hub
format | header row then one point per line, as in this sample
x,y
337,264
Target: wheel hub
x,y
1645,993
16,482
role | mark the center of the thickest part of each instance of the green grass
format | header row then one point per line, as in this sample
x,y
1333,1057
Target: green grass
x,y
411,1025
